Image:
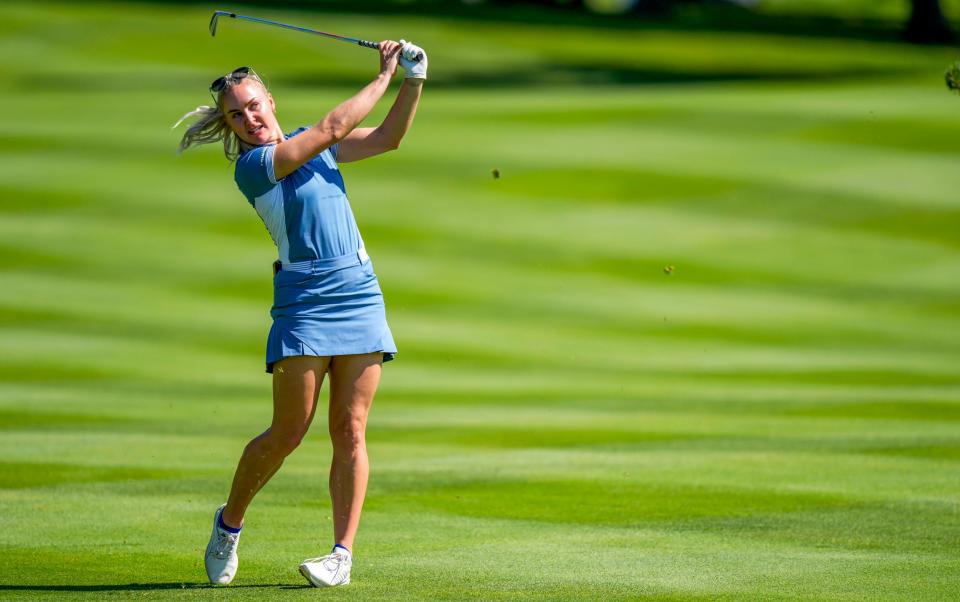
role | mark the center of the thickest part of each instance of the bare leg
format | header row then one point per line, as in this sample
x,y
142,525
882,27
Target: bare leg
x,y
353,383
296,384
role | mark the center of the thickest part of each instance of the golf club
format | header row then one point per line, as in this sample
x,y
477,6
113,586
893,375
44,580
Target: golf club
x,y
222,13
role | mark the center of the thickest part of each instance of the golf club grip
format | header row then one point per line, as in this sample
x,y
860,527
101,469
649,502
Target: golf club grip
x,y
376,46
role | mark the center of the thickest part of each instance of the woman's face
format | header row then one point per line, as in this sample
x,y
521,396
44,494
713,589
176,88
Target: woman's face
x,y
249,110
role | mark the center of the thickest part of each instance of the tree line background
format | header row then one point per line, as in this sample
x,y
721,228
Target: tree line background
x,y
927,23
922,21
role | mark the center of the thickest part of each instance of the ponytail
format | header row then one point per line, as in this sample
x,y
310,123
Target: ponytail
x,y
209,127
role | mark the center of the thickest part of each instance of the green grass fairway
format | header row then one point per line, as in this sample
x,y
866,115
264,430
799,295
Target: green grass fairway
x,y
776,419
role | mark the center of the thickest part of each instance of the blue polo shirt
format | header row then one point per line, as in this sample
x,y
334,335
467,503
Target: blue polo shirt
x,y
306,213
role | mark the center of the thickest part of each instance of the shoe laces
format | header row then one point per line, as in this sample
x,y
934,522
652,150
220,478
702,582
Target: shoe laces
x,y
226,543
331,562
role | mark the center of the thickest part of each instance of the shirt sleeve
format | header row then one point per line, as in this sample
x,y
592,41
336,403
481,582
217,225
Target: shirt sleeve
x,y
254,172
335,150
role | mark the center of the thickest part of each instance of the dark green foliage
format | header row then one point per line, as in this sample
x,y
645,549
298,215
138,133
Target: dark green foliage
x,y
927,24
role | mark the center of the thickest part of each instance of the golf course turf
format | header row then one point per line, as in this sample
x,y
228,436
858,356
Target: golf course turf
x,y
774,417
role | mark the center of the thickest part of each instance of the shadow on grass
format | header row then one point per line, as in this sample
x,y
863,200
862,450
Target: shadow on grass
x,y
541,75
559,74
133,587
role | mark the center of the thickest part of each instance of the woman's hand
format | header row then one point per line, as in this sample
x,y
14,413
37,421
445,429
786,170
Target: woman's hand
x,y
415,69
389,56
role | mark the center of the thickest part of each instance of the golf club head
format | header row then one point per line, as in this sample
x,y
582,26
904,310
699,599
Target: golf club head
x,y
213,20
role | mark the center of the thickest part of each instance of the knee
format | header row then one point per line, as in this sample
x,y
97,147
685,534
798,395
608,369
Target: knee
x,y
348,435
288,442
280,443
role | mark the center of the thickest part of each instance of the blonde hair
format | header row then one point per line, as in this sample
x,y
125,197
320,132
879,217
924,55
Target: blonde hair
x,y
211,124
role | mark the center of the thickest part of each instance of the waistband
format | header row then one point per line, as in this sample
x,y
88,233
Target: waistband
x,y
311,266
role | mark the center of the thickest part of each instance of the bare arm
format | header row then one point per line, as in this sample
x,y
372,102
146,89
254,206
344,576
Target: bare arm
x,y
338,123
367,142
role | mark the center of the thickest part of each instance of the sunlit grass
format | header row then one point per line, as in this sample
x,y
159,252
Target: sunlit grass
x,y
776,416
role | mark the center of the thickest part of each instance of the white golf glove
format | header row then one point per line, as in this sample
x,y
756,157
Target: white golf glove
x,y
413,68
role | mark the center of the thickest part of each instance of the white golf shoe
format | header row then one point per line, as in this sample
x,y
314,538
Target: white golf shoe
x,y
221,556
328,571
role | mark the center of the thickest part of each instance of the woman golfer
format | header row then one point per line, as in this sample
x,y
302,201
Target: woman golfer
x,y
328,312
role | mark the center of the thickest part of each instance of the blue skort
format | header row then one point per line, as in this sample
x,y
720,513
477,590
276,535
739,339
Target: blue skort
x,y
328,307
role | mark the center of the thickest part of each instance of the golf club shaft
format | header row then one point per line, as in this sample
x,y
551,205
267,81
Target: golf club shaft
x,y
222,13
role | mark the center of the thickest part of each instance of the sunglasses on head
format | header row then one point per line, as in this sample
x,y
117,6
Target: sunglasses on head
x,y
236,75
